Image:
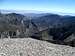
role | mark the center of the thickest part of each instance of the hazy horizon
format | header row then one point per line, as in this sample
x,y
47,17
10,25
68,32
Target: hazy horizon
x,y
64,6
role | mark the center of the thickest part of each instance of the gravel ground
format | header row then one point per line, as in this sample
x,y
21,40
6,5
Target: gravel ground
x,y
33,47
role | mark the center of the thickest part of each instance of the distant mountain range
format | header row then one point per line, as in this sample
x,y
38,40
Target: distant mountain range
x,y
34,12
28,13
41,19
21,11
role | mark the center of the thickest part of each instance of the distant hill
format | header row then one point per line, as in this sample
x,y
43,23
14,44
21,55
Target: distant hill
x,y
34,12
53,20
28,13
33,15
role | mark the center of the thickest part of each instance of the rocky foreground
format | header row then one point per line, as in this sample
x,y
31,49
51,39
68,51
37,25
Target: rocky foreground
x,y
33,47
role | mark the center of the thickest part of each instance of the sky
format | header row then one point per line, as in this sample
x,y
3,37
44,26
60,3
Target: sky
x,y
65,6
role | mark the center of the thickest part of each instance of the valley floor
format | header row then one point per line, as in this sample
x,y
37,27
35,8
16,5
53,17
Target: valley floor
x,y
33,47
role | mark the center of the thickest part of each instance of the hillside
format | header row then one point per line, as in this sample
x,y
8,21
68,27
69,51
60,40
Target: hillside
x,y
42,27
58,26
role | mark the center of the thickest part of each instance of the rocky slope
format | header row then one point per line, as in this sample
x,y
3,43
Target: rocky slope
x,y
32,47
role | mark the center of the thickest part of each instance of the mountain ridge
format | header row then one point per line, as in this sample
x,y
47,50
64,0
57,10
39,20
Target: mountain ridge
x,y
35,12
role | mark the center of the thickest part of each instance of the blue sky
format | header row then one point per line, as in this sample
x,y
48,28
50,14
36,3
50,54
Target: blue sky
x,y
65,6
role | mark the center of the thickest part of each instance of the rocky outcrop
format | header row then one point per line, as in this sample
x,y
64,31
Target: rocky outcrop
x,y
33,47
